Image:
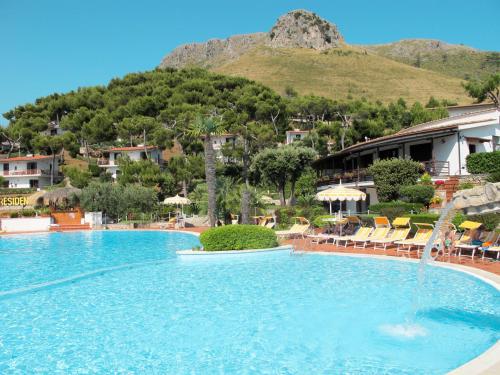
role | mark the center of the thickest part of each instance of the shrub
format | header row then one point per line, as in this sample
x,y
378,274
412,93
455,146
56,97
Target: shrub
x,y
319,221
7,191
28,213
417,193
458,219
14,215
490,220
408,207
238,237
285,215
422,218
465,185
393,212
494,177
390,174
483,162
426,179
79,178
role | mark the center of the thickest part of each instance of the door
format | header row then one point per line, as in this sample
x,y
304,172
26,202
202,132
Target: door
x,y
6,169
33,183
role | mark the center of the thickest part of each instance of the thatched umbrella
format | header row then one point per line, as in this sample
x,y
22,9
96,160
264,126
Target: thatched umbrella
x,y
59,196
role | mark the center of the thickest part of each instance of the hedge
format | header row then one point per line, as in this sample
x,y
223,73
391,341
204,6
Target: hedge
x,y
12,191
483,162
417,193
238,237
319,221
407,207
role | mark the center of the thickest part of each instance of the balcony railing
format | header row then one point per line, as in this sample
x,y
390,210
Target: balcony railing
x,y
27,172
437,168
357,175
105,162
434,167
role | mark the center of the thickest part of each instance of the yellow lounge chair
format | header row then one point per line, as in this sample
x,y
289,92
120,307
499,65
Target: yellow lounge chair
x,y
382,228
422,235
401,229
464,243
297,230
362,234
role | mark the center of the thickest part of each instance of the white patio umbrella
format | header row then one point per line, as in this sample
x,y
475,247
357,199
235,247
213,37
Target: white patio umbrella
x,y
340,193
177,200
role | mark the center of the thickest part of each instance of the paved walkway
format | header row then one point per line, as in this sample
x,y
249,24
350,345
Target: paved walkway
x,y
305,245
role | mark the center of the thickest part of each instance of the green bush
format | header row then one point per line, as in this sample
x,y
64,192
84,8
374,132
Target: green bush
x,y
494,177
490,220
417,193
483,162
393,212
14,215
390,174
458,219
319,221
28,213
465,185
238,237
285,215
422,218
408,207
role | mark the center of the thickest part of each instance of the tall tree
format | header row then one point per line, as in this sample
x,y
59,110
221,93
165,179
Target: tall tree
x,y
489,88
207,127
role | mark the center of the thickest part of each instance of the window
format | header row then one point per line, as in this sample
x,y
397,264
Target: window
x,y
472,148
33,183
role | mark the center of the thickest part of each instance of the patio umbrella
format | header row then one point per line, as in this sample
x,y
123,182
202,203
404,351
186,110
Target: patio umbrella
x,y
177,200
340,193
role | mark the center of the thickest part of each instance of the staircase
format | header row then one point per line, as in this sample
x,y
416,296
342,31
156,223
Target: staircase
x,y
69,227
450,186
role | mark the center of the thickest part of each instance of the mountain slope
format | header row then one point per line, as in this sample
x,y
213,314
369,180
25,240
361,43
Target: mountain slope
x,y
342,72
450,59
308,53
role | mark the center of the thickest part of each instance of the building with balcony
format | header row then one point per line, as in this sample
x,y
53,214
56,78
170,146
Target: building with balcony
x,y
110,157
31,171
441,146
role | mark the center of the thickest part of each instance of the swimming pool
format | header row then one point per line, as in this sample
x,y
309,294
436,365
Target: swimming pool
x,y
270,313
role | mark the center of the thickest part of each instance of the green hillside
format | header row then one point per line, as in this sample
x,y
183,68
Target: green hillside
x,y
342,73
453,60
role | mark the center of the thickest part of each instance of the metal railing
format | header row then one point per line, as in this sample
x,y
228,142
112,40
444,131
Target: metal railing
x,y
437,168
27,172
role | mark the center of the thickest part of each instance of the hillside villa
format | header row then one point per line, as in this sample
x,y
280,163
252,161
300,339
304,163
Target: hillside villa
x,y
441,146
110,157
31,171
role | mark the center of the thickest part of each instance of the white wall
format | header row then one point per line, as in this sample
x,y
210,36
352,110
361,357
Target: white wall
x,y
483,132
25,224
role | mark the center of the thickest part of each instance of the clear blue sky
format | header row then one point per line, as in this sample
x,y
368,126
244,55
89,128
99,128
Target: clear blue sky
x,y
57,45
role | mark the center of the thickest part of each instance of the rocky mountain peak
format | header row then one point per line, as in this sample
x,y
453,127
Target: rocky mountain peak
x,y
303,29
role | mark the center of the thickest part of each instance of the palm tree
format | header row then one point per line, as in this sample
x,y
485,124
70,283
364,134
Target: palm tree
x,y
207,127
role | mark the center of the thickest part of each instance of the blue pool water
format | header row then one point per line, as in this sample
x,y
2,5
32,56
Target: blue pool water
x,y
272,313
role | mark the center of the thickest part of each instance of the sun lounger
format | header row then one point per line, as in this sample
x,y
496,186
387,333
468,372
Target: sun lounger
x,y
465,242
362,234
399,233
422,235
297,230
377,234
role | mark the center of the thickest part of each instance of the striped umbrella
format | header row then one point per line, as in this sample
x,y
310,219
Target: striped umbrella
x,y
340,193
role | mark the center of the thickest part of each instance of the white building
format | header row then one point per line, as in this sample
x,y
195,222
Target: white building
x,y
32,171
295,135
109,160
53,129
441,146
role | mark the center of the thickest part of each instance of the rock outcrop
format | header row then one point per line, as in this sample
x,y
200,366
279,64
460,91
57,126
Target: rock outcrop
x,y
213,51
479,200
296,29
302,29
